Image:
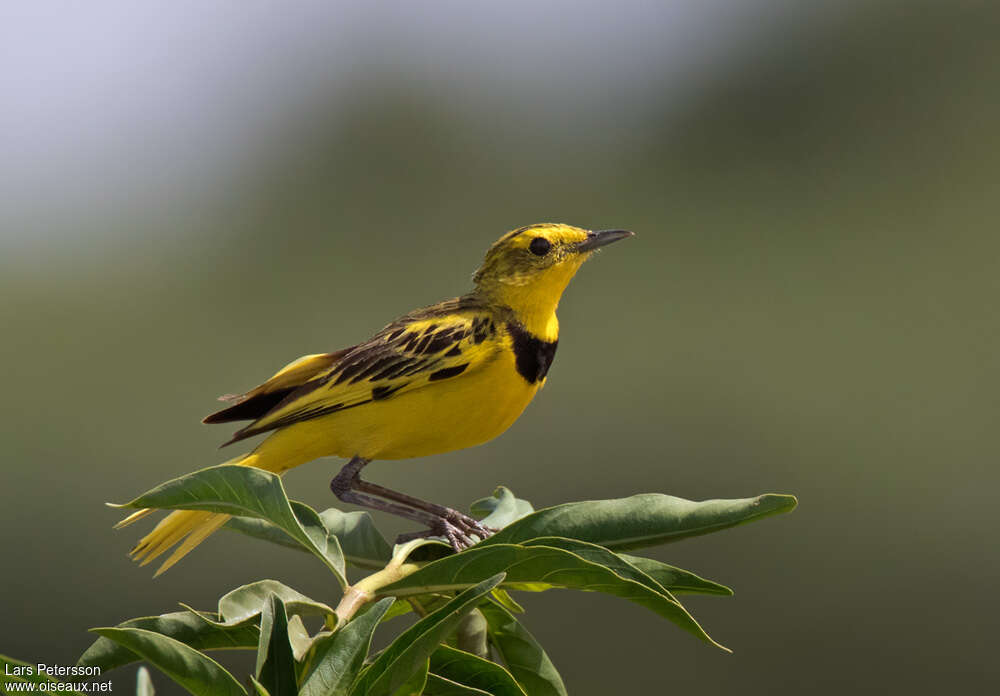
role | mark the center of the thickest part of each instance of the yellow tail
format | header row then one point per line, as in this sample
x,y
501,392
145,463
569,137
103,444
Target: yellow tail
x,y
194,526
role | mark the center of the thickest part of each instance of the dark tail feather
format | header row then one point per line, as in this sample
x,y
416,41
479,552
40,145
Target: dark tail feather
x,y
253,408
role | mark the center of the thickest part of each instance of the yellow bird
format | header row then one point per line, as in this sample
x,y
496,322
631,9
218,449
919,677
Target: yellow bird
x,y
441,378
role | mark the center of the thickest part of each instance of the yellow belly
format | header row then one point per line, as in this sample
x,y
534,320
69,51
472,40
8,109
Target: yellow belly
x,y
448,415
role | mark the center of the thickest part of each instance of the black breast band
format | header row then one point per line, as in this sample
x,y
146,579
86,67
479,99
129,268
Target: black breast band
x,y
534,356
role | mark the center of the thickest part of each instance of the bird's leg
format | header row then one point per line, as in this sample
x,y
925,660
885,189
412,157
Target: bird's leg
x,y
344,486
443,521
437,510
465,524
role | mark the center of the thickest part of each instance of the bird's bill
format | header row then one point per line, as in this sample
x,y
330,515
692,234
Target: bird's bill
x,y
600,238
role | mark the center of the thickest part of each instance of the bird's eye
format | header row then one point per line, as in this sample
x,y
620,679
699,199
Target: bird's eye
x,y
540,246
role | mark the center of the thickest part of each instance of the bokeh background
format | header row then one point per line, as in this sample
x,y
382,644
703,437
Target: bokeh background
x,y
195,193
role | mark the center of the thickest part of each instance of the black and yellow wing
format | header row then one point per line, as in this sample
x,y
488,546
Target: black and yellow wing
x,y
423,347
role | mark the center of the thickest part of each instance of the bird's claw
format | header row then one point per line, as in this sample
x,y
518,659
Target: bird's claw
x,y
464,530
460,530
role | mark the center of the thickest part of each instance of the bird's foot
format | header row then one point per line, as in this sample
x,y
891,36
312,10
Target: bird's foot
x,y
459,529
468,526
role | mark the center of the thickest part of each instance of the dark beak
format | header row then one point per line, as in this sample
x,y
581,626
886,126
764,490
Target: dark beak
x,y
596,240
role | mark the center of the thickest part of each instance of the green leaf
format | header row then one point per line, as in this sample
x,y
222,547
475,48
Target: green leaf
x,y
299,638
620,564
640,520
20,672
469,670
248,492
471,635
337,657
258,687
265,531
247,602
531,564
503,598
523,655
501,509
144,683
421,550
439,686
410,650
234,626
362,544
184,626
196,672
414,686
601,556
429,603
275,664
676,580
397,609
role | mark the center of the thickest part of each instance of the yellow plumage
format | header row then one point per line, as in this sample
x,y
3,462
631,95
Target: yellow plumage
x,y
441,378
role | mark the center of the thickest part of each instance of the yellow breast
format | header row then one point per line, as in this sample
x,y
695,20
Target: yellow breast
x,y
452,414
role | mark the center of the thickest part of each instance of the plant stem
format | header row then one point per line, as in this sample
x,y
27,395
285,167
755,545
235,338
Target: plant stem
x,y
364,591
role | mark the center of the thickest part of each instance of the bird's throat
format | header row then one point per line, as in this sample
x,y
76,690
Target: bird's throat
x,y
532,300
534,311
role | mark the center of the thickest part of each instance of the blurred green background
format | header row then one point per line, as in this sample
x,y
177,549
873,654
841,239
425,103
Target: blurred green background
x,y
195,194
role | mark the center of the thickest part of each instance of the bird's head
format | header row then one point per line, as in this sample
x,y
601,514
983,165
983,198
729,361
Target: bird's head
x,y
529,268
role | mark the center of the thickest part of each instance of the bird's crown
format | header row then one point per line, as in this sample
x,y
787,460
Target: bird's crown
x,y
527,270
527,253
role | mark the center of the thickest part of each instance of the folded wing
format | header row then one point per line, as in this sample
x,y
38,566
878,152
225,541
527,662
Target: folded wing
x,y
427,346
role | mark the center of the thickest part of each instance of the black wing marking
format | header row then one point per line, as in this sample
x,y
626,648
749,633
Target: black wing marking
x,y
430,344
